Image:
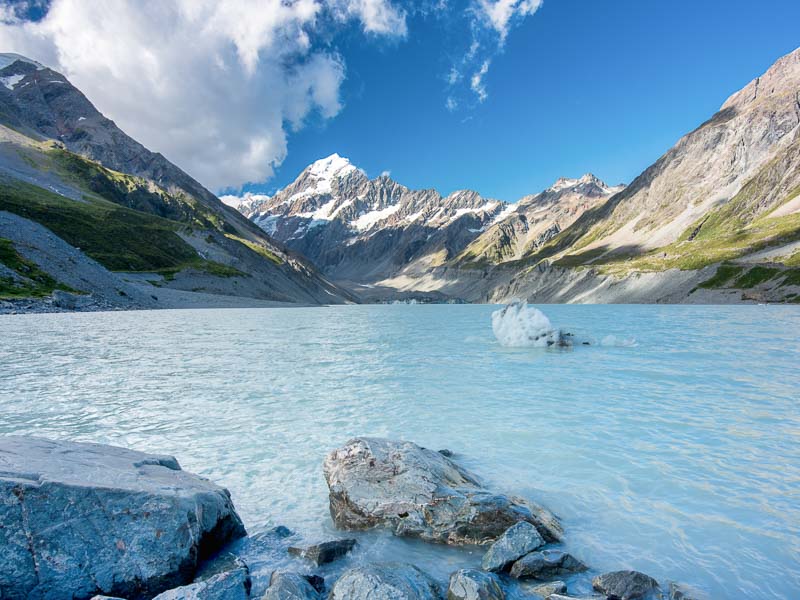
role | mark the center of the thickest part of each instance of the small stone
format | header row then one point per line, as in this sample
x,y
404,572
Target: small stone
x,y
625,585
516,542
472,584
545,590
324,553
546,563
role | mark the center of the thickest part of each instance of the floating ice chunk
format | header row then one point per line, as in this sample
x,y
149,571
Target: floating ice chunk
x,y
519,325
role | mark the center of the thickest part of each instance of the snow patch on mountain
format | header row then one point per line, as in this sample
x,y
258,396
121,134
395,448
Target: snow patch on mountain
x,y
372,218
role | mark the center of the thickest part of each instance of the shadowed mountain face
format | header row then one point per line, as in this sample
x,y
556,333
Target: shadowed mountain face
x,y
364,230
54,139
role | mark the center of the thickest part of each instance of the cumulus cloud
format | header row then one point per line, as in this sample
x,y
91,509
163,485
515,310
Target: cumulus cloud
x,y
490,22
214,86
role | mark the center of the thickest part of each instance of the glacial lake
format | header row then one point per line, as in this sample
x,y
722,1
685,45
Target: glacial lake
x,y
678,456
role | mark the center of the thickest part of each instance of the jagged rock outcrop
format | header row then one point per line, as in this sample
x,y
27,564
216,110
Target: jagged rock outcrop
x,y
421,493
84,519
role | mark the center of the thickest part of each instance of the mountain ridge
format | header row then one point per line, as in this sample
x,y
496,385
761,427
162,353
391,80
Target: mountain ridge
x,y
65,165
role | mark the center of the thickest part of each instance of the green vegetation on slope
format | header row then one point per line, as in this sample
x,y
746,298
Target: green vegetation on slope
x,y
724,274
119,238
30,281
755,276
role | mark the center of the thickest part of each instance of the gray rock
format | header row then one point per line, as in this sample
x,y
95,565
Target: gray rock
x,y
421,493
546,590
546,563
472,584
392,581
70,301
231,585
681,591
565,597
625,585
290,586
106,598
86,519
516,542
324,553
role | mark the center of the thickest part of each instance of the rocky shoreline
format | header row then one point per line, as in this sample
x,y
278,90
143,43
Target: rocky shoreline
x,y
92,521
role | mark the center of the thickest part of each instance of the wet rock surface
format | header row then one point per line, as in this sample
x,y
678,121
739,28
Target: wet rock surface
x,y
86,519
625,585
324,553
421,493
472,584
545,564
293,586
545,590
230,585
517,541
392,581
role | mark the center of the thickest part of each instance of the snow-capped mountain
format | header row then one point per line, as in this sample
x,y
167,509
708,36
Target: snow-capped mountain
x,y
363,230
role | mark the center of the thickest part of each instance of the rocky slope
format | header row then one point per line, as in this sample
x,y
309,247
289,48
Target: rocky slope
x,y
363,230
65,166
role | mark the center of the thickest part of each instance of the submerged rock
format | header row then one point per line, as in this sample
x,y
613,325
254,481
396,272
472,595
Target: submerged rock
x,y
392,581
421,493
86,519
292,586
324,553
680,591
546,563
231,585
517,541
472,584
625,585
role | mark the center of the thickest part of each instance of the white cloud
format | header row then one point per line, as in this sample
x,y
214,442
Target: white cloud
x,y
490,22
477,84
500,13
376,16
211,85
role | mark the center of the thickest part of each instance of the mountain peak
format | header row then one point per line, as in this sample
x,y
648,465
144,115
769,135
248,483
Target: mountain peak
x,y
9,58
330,166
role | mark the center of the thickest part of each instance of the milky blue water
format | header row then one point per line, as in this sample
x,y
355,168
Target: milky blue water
x,y
679,456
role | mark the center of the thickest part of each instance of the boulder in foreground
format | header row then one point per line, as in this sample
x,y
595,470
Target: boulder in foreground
x,y
421,493
545,564
290,586
230,585
392,581
86,519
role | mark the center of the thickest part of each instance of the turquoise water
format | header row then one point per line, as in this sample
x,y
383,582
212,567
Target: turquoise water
x,y
679,456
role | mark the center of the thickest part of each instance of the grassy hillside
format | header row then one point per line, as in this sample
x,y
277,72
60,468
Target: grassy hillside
x,y
119,238
23,279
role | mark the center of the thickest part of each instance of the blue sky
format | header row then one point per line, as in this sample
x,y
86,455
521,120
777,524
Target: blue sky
x,y
239,91
580,86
